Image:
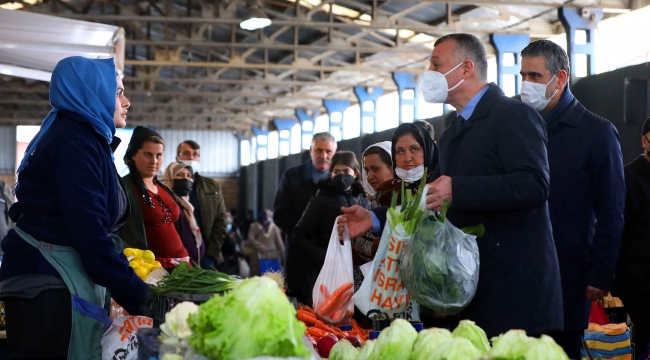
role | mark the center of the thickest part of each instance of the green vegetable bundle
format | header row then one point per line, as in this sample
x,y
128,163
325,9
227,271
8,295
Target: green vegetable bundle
x,y
440,265
194,280
410,213
254,319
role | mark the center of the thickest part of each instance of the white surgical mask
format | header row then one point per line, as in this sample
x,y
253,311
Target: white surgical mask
x,y
412,175
196,165
434,85
534,94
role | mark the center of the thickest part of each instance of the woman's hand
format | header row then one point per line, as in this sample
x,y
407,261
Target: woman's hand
x,y
358,220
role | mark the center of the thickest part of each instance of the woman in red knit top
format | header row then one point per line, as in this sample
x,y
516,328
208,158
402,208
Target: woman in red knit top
x,y
151,223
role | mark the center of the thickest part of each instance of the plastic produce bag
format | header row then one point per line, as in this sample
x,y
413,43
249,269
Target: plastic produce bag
x,y
120,340
440,266
334,287
383,294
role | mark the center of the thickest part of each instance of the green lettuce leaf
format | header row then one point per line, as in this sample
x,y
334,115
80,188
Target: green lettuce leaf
x,y
545,348
366,350
396,341
510,346
254,319
467,329
343,350
428,341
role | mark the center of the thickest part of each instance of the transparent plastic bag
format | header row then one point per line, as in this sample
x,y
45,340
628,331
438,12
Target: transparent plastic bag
x,y
334,287
440,265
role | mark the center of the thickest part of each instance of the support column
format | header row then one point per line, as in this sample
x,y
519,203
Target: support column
x,y
409,95
574,20
509,45
262,138
307,122
284,134
334,108
368,116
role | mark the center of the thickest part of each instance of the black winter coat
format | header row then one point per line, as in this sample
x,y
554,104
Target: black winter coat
x,y
500,178
312,235
633,270
587,182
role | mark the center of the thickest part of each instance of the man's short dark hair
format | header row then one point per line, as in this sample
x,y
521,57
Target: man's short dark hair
x,y
646,127
469,46
556,58
191,143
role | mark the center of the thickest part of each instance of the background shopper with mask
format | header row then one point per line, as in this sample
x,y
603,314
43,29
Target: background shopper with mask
x,y
587,183
413,150
312,234
209,207
180,179
297,187
632,284
493,170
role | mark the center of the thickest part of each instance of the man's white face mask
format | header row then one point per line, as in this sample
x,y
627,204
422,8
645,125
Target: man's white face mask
x,y
534,94
434,85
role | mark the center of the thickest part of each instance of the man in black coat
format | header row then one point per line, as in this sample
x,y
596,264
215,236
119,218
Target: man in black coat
x,y
584,156
632,282
297,186
493,169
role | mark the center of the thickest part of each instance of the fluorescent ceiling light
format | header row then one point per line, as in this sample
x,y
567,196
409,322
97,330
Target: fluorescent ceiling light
x,y
255,18
255,23
23,72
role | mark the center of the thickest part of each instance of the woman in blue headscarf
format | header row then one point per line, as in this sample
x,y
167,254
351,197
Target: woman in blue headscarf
x,y
63,255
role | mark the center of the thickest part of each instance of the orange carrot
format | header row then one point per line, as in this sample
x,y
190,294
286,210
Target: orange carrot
x,y
320,325
324,291
355,325
329,304
306,317
308,309
338,314
316,332
354,332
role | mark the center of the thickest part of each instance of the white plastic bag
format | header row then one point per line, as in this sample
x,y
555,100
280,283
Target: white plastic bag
x,y
120,341
244,269
382,294
334,287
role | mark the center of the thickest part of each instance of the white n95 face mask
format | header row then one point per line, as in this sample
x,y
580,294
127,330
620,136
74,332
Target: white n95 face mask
x,y
412,175
434,85
196,166
534,94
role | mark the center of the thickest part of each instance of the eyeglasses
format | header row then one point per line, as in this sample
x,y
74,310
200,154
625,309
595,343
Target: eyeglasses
x,y
166,210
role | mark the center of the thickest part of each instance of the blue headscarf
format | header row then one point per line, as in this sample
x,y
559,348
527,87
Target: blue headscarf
x,y
86,87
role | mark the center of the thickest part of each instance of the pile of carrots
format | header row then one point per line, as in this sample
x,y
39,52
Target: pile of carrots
x,y
318,329
334,309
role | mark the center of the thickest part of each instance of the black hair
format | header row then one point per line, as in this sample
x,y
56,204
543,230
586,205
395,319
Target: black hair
x,y
556,58
346,158
191,143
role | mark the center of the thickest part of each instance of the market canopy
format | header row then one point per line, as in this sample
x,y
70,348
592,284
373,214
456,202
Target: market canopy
x,y
32,44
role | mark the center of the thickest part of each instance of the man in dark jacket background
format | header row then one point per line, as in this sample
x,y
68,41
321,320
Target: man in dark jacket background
x,y
632,282
587,183
493,170
209,207
297,186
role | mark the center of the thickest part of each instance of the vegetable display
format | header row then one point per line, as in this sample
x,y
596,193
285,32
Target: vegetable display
x,y
254,319
466,342
440,265
194,280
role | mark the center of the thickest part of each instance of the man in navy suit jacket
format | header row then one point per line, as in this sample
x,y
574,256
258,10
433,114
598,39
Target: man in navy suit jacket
x,y
493,170
587,182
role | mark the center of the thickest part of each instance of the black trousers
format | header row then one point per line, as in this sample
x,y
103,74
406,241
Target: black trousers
x,y
570,341
636,306
39,328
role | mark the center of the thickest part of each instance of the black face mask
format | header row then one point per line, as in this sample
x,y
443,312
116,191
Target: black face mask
x,y
343,182
182,187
